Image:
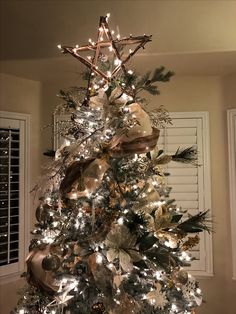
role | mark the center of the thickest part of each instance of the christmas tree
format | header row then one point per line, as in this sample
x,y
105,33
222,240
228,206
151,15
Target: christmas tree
x,y
108,238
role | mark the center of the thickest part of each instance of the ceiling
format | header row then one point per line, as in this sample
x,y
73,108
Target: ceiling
x,y
194,37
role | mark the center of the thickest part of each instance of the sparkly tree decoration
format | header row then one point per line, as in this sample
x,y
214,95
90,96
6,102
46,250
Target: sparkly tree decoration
x,y
108,240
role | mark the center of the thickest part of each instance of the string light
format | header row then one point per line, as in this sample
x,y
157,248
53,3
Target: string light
x,y
158,275
117,62
120,221
173,307
67,143
83,214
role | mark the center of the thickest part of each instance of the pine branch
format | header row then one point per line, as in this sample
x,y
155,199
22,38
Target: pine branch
x,y
49,153
196,223
187,155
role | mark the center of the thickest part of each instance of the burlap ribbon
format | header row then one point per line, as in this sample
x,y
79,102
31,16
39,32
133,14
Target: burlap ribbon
x,y
36,275
140,138
83,177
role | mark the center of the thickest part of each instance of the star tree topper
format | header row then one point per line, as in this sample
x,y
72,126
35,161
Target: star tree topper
x,y
105,40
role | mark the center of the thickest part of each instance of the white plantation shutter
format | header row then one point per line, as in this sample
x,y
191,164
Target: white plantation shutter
x,y
190,184
14,220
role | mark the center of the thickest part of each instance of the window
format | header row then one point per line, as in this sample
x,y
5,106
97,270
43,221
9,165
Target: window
x,y
191,185
231,119
14,193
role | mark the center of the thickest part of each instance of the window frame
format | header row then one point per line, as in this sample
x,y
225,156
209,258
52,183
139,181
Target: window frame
x,y
13,271
231,125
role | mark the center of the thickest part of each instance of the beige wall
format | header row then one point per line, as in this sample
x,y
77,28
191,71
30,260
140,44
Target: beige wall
x,y
193,93
23,96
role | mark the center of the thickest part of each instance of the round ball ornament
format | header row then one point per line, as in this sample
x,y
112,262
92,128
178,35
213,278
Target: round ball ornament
x,y
51,262
43,213
180,277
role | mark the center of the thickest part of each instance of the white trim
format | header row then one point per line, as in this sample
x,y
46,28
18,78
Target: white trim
x,y
231,120
13,271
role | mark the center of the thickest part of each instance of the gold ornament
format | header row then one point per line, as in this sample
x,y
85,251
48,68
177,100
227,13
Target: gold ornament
x,y
190,243
42,213
180,277
51,262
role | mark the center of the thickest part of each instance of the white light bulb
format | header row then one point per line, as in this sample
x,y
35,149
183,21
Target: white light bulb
x,y
173,307
120,220
130,72
67,142
59,46
117,62
99,258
